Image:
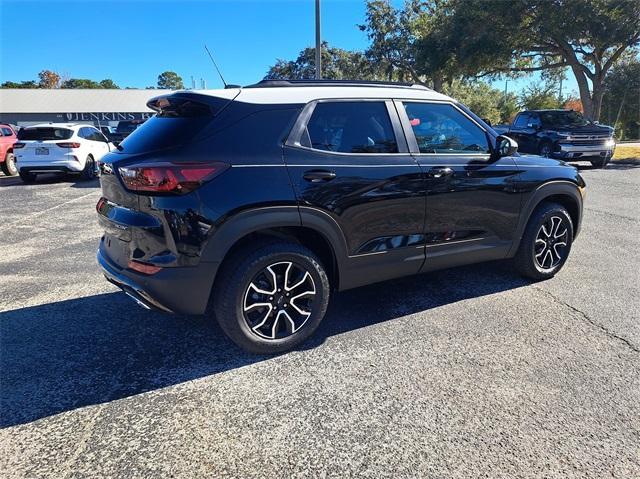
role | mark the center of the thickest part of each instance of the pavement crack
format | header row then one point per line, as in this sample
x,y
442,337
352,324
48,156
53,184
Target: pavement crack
x,y
588,319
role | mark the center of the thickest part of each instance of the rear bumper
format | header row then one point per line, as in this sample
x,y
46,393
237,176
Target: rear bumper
x,y
67,163
172,290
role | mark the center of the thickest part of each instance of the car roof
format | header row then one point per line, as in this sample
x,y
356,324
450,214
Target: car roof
x,y
59,125
296,92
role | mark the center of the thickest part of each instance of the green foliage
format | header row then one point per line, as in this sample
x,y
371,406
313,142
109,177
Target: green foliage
x,y
337,64
108,83
621,105
22,84
80,83
170,80
539,96
479,97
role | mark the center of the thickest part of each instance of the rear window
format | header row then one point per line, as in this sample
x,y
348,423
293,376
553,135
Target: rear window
x,y
42,134
127,126
177,121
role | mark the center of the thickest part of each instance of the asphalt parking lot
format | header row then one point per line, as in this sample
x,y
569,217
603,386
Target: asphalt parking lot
x,y
471,372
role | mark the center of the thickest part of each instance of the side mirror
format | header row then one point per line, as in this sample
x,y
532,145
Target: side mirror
x,y
505,146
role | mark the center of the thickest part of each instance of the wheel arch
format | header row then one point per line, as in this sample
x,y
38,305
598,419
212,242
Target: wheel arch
x,y
277,223
563,192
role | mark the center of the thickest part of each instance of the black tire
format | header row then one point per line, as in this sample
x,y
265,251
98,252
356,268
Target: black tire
x,y
600,162
27,177
238,278
89,170
540,261
545,149
9,167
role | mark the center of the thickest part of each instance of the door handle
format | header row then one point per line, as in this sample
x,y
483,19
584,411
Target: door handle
x,y
316,176
440,172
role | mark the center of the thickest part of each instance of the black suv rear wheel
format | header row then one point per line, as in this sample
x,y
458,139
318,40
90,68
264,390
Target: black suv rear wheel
x,y
546,243
271,298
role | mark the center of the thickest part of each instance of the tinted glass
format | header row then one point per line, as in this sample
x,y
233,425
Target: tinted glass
x,y
562,118
7,132
351,127
441,128
521,121
42,134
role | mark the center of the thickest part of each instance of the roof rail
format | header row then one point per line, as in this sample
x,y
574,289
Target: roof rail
x,y
292,83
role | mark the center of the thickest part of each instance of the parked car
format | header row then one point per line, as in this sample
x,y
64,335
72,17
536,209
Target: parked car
x,y
258,204
7,140
124,129
108,131
60,148
562,134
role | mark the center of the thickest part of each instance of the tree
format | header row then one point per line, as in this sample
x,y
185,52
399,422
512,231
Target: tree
x,y
398,39
337,64
588,37
49,79
22,84
538,96
170,80
108,83
621,104
80,83
480,97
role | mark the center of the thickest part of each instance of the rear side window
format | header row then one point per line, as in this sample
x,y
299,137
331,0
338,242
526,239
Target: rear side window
x,y
350,127
442,128
7,132
45,133
176,122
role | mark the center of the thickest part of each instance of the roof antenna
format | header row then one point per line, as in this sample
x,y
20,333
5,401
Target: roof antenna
x,y
218,70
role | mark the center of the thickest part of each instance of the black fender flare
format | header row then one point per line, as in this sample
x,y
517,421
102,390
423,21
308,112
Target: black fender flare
x,y
544,191
263,218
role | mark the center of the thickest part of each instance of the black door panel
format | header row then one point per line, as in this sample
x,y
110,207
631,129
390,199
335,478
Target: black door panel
x,y
353,169
473,203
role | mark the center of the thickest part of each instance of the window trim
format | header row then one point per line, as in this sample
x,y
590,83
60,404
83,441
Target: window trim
x,y
411,137
295,136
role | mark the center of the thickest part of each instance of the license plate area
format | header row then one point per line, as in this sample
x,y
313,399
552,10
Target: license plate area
x,y
42,151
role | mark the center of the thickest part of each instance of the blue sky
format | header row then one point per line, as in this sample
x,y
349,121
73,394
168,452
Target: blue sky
x,y
132,42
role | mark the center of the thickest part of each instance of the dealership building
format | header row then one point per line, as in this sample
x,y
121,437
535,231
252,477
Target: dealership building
x,y
98,107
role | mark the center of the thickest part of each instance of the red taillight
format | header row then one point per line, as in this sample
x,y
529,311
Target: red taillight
x,y
18,145
144,268
68,145
175,178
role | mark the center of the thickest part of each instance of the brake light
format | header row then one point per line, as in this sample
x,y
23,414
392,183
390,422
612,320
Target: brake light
x,y
68,145
171,178
141,267
18,145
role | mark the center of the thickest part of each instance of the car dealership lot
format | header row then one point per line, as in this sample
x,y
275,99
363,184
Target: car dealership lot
x,y
460,373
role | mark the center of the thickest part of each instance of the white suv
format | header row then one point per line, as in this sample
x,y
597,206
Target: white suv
x,y
61,148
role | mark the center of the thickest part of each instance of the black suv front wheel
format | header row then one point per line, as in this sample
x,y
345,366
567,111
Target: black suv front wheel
x,y
546,243
270,299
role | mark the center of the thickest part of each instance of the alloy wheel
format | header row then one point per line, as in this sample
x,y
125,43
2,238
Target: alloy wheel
x,y
551,242
278,301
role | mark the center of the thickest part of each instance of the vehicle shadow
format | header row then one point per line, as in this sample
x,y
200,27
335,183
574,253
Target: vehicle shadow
x,y
49,179
61,356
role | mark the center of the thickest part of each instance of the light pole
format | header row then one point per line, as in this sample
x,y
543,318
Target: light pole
x,y
318,43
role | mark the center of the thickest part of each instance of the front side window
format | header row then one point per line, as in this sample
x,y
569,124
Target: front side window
x,y
350,127
442,128
522,121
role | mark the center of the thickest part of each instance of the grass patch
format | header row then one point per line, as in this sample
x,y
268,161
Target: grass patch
x,y
627,153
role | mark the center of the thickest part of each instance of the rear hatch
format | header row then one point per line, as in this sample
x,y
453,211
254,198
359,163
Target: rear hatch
x,y
41,143
136,222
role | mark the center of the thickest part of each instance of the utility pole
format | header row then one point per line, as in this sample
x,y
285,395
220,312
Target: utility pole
x,y
560,94
318,43
506,80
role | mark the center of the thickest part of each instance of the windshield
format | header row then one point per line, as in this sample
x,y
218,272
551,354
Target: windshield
x,y
43,134
562,118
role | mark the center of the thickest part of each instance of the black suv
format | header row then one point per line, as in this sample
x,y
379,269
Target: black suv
x,y
254,204
562,134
